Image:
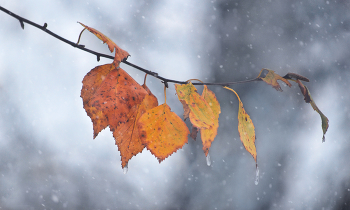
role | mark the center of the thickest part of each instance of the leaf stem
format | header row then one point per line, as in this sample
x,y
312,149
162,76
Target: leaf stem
x,y
80,35
165,94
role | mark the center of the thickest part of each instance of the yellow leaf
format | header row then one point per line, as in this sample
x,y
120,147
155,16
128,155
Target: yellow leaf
x,y
200,114
208,134
245,128
271,78
162,131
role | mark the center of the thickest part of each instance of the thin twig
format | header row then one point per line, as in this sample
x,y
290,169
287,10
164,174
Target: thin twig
x,y
82,47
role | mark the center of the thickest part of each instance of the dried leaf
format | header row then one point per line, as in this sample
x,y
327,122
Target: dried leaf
x,y
294,76
308,99
194,132
127,135
271,78
111,97
120,54
246,128
162,131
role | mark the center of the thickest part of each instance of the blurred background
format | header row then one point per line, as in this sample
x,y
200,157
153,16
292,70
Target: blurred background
x,y
49,160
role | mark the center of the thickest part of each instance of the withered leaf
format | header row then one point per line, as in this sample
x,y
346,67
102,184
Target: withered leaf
x,y
271,78
308,99
127,135
112,98
120,54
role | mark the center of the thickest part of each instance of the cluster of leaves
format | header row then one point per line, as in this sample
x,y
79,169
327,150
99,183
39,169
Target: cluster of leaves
x,y
111,97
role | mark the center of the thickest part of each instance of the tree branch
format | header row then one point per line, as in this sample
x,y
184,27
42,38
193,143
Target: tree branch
x,y
99,55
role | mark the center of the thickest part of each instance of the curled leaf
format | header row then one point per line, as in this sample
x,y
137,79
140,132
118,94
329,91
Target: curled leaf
x,y
308,99
120,54
271,78
294,76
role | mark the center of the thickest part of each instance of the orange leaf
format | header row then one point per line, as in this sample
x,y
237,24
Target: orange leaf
x,y
245,128
120,54
200,114
162,131
308,99
271,78
127,135
111,97
91,83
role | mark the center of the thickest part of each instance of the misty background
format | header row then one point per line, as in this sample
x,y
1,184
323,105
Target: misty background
x,y
49,160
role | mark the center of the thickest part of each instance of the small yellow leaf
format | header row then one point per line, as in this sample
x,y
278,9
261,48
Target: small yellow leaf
x,y
245,128
208,134
271,78
200,113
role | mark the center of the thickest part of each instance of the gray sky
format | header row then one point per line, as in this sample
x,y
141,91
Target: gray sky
x,y
48,159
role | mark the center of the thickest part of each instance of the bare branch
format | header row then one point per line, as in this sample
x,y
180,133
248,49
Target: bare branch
x,y
99,55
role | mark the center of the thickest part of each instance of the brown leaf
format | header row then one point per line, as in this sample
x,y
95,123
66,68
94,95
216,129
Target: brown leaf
x,y
308,99
194,132
111,97
294,76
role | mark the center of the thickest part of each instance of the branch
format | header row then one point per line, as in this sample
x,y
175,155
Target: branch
x,y
99,55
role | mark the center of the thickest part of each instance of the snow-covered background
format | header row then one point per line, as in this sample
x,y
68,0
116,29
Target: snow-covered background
x,y
48,159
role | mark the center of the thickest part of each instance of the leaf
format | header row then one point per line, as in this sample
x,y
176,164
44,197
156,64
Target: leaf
x,y
162,131
200,113
127,135
111,97
294,76
271,78
203,111
208,134
120,54
246,128
308,99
